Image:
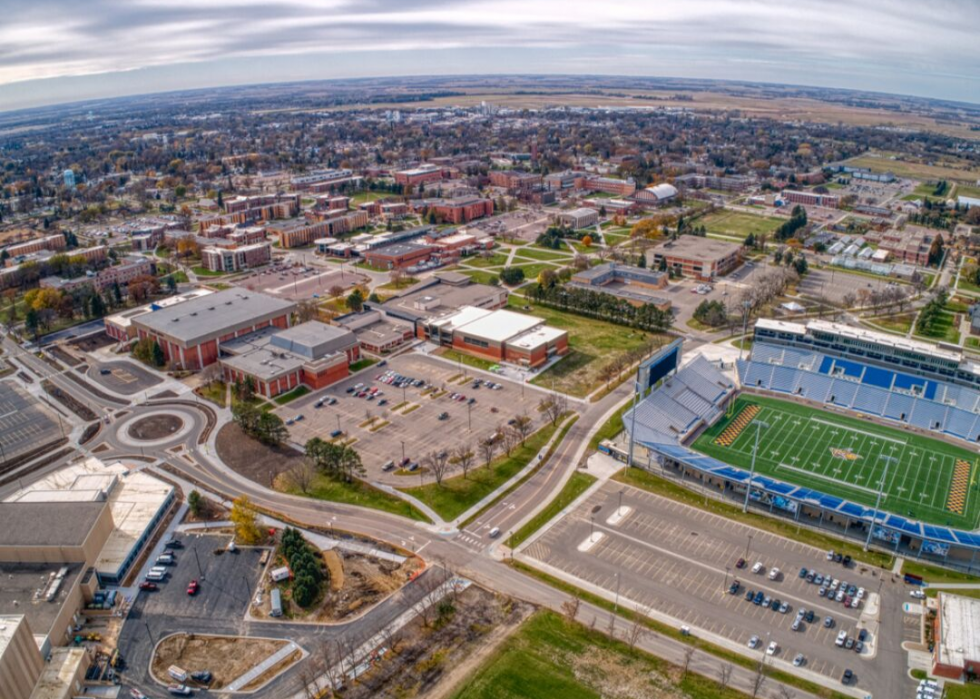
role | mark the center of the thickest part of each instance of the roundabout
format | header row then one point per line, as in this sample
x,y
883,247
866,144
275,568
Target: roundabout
x,y
159,427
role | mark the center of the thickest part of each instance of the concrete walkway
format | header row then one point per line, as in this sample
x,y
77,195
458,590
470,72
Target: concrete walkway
x,y
262,667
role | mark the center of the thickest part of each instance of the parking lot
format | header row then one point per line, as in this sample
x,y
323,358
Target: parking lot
x,y
728,289
416,430
123,377
679,561
524,224
835,284
25,423
296,283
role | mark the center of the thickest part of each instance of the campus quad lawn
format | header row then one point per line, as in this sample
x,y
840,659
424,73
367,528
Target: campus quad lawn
x,y
495,260
800,444
737,224
592,345
549,657
544,255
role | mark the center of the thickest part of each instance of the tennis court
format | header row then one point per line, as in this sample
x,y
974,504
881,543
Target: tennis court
x,y
924,478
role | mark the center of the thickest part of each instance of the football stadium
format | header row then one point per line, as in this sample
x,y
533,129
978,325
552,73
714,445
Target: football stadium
x,y
871,435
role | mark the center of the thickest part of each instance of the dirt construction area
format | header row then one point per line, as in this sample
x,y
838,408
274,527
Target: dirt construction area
x,y
251,458
356,583
226,657
408,425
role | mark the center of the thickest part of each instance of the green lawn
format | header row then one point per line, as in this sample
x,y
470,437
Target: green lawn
x,y
495,260
962,691
468,360
298,392
479,276
944,327
898,323
216,393
973,342
543,255
361,197
593,345
935,574
549,657
205,272
576,485
737,224
611,427
966,285
458,494
359,493
362,363
840,456
533,269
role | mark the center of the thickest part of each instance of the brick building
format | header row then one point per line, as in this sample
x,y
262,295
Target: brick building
x,y
461,209
515,180
577,218
233,259
312,354
398,256
191,334
423,174
703,259
828,201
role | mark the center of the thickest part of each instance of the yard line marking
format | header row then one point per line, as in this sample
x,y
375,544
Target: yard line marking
x,y
852,429
831,479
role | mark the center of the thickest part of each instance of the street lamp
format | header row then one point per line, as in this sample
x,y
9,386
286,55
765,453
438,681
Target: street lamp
x,y
760,425
745,325
403,451
881,487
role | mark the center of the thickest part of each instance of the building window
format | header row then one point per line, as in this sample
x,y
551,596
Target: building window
x,y
476,343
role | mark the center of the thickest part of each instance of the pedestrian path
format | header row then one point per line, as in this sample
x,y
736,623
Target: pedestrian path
x,y
262,667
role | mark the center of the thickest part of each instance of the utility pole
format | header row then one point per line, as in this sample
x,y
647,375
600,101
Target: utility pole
x,y
745,326
888,459
760,425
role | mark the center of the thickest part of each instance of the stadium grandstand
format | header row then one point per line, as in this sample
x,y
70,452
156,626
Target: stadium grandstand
x,y
869,435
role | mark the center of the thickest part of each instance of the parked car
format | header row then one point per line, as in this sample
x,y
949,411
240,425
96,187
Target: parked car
x,y
174,544
803,573
773,647
149,586
828,622
847,677
799,659
758,567
754,642
749,596
180,690
193,587
740,563
917,594
841,639
202,676
773,573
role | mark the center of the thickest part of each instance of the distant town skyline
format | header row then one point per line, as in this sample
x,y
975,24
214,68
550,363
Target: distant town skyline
x,y
54,51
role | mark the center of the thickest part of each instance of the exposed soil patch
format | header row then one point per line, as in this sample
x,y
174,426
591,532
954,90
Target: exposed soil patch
x,y
93,342
357,582
251,458
429,661
69,359
155,427
228,658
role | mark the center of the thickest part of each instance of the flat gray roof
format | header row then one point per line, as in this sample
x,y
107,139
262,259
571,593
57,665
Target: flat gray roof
x,y
696,247
48,523
21,582
314,339
432,297
215,315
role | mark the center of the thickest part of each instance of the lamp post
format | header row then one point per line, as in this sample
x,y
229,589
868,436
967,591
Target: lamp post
x,y
403,452
745,325
760,425
888,459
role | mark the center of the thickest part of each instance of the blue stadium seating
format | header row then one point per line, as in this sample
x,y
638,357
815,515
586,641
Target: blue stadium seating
x,y
899,407
825,364
870,400
784,379
842,393
882,378
815,386
905,382
962,424
928,415
852,369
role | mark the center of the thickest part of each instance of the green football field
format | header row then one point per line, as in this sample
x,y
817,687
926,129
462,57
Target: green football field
x,y
928,480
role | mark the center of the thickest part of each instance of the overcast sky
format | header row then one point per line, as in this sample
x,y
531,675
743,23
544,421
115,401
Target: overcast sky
x,y
63,50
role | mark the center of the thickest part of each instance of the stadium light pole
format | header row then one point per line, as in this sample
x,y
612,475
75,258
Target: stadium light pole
x,y
888,459
759,426
745,326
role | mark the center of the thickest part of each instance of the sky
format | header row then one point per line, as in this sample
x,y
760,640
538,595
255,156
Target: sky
x,y
54,51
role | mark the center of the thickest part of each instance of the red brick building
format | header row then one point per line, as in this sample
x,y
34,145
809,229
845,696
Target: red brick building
x,y
234,259
192,333
515,180
690,256
461,209
423,174
312,354
398,256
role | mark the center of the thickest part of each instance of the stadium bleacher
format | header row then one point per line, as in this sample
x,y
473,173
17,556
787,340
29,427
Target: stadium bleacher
x,y
924,403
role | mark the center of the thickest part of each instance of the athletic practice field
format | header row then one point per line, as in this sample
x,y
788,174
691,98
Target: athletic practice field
x,y
929,480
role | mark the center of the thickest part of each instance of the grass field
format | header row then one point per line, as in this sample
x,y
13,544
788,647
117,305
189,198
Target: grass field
x,y
912,170
738,224
549,656
840,456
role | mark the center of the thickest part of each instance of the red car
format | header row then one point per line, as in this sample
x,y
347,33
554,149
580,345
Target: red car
x,y
148,586
193,587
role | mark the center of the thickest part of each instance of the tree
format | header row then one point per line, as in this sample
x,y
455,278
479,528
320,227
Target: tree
x,y
271,429
244,517
32,322
547,277
307,310
157,357
512,276
195,503
570,608
355,300
488,447
523,426
587,241
554,407
463,457
437,462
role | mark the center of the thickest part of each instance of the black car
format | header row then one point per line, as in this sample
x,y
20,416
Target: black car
x,y
863,635
847,677
202,676
174,544
846,562
809,616
749,596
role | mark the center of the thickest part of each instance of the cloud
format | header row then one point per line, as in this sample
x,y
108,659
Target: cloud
x,y
875,44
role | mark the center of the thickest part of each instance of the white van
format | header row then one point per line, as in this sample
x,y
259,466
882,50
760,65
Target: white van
x,y
495,532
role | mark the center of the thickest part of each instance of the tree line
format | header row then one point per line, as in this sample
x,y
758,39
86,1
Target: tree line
x,y
596,304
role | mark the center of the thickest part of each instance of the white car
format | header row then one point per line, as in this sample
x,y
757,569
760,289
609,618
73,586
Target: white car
x,y
917,594
860,593
841,638
758,567
773,573
773,647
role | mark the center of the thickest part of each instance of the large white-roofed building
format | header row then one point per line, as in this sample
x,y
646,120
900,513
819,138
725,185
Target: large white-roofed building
x,y
500,335
656,195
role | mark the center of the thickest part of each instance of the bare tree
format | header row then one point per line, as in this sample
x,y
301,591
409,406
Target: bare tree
x,y
785,692
425,606
332,657
438,463
395,276
570,608
688,655
637,629
210,373
523,425
302,475
307,310
507,438
488,447
463,457
759,680
725,674
554,407
336,290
